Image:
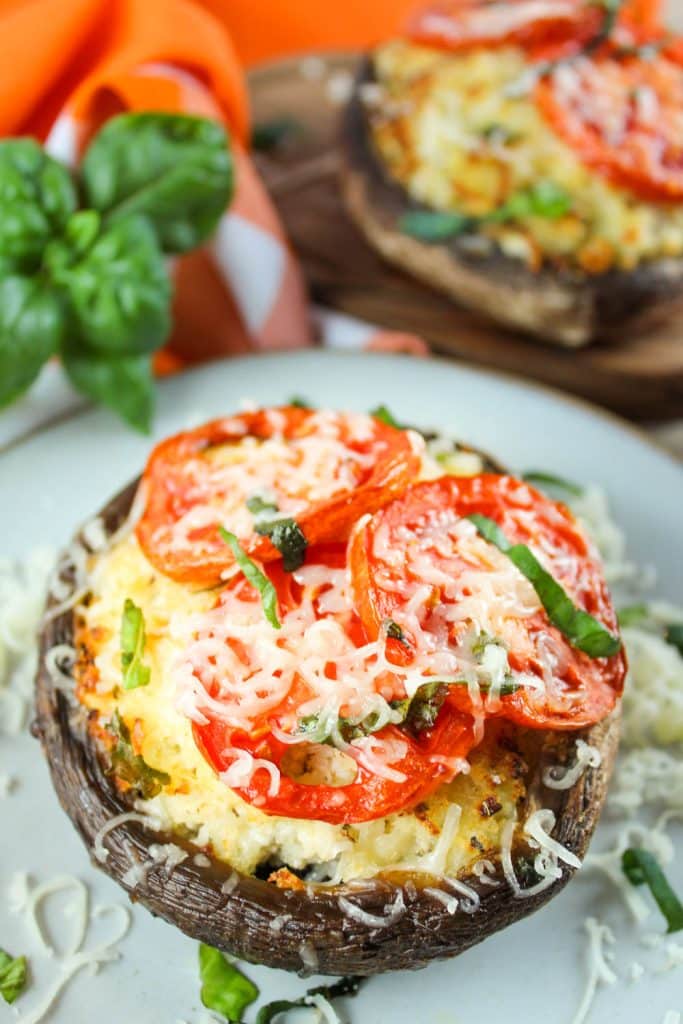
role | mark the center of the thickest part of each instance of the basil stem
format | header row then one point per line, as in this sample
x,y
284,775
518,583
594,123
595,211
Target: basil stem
x,y
641,868
224,988
544,480
133,640
254,575
581,629
344,987
13,976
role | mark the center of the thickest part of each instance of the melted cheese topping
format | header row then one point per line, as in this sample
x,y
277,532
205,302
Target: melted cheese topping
x,y
460,132
199,802
292,474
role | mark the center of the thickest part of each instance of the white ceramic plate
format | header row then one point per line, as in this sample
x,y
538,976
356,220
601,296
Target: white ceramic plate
x,y
534,972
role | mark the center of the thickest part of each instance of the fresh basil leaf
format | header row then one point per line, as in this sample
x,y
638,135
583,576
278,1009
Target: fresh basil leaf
x,y
130,767
287,536
674,635
548,480
224,988
433,225
348,987
173,169
125,385
268,135
254,575
385,415
37,197
31,328
581,629
641,868
13,976
632,614
133,640
119,292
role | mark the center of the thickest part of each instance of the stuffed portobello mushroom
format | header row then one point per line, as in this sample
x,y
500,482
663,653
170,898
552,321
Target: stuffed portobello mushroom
x,y
525,159
330,694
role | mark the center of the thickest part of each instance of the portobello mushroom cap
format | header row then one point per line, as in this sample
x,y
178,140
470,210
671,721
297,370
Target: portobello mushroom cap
x,y
562,306
303,928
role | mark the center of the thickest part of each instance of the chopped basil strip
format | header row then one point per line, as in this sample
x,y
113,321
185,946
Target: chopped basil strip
x,y
297,402
268,135
499,134
433,225
641,868
674,636
392,630
632,614
423,709
542,199
581,629
257,505
224,988
344,987
543,480
288,537
254,575
130,767
13,976
385,415
133,639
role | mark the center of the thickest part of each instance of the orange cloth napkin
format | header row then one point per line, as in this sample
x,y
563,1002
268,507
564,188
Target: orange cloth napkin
x,y
68,65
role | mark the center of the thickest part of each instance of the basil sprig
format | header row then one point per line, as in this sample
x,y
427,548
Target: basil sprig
x,y
130,767
542,199
13,976
641,868
133,640
254,575
338,989
581,629
91,285
224,988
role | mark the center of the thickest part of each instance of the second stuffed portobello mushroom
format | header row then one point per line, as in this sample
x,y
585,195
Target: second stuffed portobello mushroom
x,y
529,172
356,763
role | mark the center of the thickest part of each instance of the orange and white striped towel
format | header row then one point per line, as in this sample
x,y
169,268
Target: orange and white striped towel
x,y
68,65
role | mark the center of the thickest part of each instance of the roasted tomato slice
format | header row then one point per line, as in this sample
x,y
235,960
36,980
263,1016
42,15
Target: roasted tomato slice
x,y
321,469
462,612
252,693
547,28
416,768
624,118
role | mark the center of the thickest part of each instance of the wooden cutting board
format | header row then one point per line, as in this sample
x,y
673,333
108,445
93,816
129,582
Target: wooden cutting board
x,y
640,378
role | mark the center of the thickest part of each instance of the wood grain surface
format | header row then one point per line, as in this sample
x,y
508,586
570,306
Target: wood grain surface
x,y
640,377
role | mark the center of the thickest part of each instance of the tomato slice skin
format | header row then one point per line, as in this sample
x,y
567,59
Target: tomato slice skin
x,y
178,466
425,765
624,118
546,28
591,686
464,24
